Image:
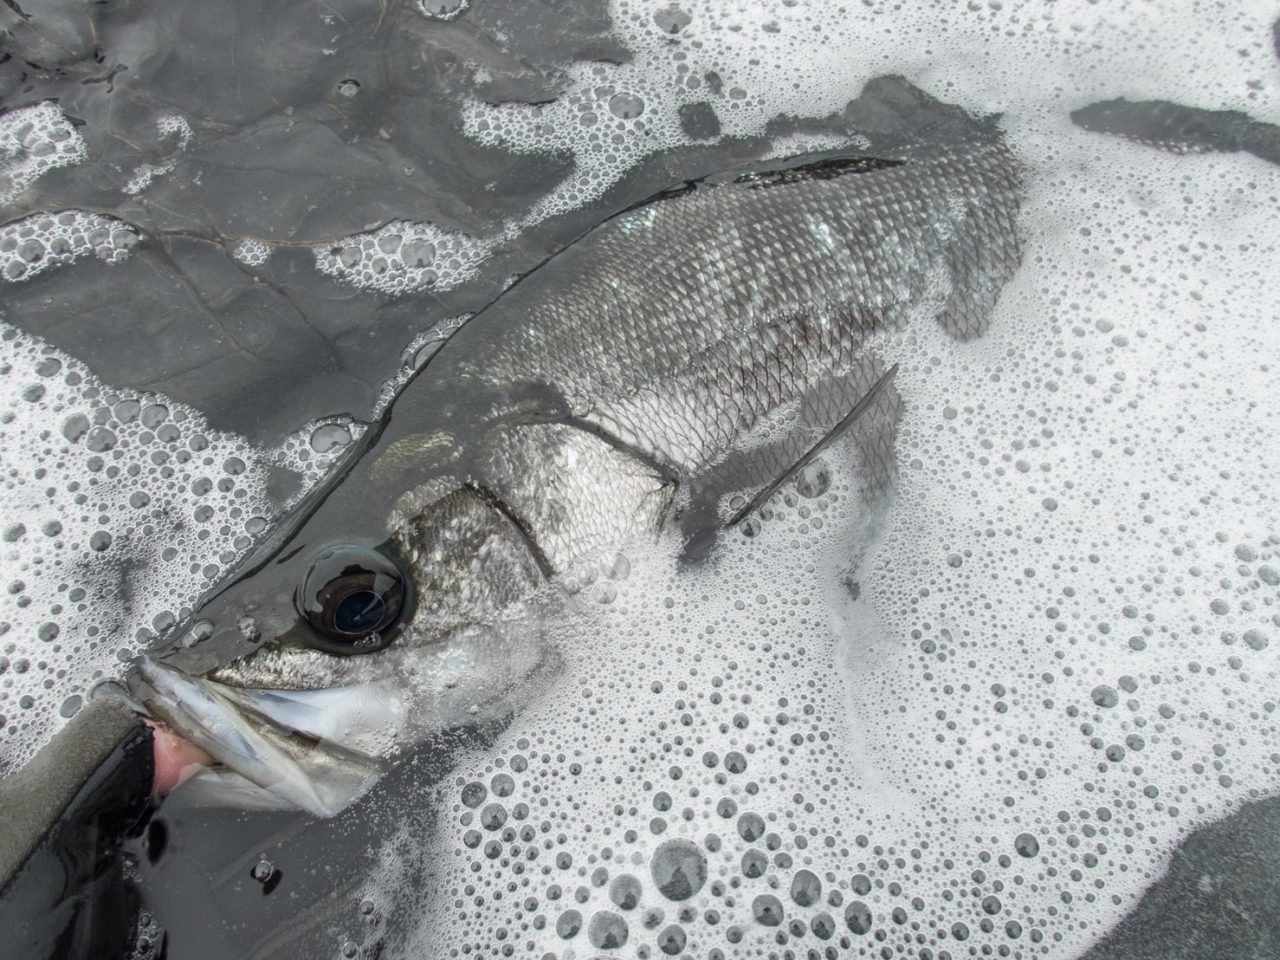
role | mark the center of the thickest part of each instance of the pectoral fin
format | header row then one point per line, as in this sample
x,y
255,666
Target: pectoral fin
x,y
867,402
859,405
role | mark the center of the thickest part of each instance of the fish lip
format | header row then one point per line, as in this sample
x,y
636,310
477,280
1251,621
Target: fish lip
x,y
239,730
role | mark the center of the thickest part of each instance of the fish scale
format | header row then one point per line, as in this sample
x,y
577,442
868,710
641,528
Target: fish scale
x,y
690,354
682,354
651,327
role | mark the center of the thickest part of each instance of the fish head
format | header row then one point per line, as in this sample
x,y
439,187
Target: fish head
x,y
333,656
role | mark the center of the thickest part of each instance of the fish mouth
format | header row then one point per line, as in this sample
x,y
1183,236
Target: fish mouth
x,y
317,749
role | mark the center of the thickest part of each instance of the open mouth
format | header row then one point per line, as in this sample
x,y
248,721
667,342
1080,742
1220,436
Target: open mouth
x,y
175,759
312,749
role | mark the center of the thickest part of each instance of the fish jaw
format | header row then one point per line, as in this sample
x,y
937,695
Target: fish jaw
x,y
305,747
321,748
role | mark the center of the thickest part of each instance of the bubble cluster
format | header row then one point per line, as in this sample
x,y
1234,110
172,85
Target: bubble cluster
x,y
417,352
251,252
698,72
312,450
121,508
42,241
442,9
33,141
174,133
686,83
975,724
148,938
402,256
973,721
746,759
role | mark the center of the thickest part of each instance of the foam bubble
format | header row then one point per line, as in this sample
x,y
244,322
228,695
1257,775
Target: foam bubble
x,y
174,133
42,241
401,256
33,141
251,252
415,354
442,9
980,726
312,450
121,509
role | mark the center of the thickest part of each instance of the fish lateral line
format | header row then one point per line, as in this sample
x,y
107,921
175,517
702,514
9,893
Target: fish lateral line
x,y
860,408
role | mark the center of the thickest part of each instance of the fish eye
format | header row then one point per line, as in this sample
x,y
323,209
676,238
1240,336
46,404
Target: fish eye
x,y
352,597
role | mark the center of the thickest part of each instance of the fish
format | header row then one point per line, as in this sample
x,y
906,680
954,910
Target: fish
x,y
666,371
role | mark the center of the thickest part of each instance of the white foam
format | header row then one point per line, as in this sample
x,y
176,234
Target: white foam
x,y
251,252
403,256
752,63
442,9
33,141
1066,631
312,450
42,241
121,508
171,129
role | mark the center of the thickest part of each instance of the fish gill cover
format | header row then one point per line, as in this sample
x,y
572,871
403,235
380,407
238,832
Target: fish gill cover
x,y
977,724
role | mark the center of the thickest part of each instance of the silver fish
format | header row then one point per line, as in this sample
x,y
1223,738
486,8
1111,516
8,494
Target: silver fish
x,y
690,350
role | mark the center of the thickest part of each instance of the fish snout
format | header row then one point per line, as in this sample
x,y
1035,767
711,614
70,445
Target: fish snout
x,y
304,747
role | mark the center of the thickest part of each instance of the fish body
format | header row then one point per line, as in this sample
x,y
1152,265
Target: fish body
x,y
685,351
